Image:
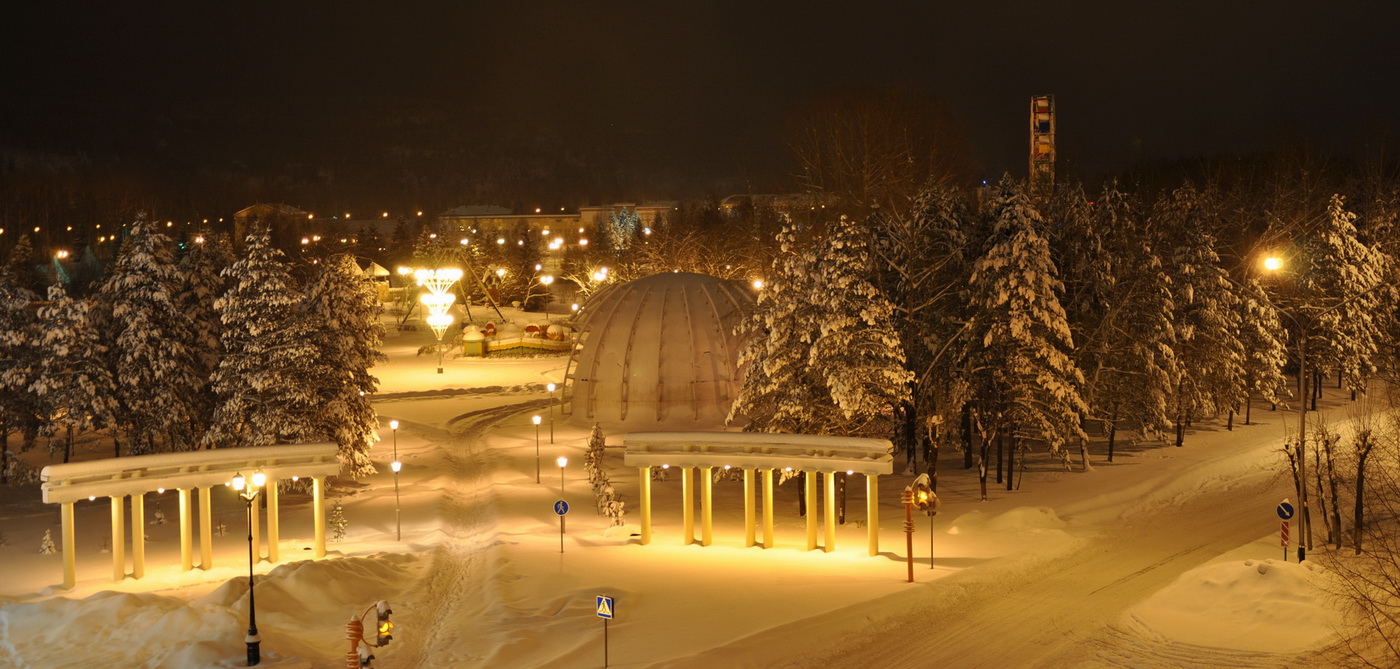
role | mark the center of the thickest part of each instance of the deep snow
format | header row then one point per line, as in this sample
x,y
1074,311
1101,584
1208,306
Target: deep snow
x,y
1167,553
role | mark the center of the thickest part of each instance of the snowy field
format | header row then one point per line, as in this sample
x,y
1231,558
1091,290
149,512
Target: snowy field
x,y
1167,557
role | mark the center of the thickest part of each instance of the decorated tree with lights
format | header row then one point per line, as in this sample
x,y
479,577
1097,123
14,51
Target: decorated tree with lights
x,y
264,384
156,370
71,379
345,312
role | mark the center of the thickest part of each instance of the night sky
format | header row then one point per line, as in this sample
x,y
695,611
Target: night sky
x,y
656,99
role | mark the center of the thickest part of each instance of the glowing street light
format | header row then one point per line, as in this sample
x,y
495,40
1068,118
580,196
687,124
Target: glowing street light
x,y
249,490
396,466
1273,263
536,420
438,300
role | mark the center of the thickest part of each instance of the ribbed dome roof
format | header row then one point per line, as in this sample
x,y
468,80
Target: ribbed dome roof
x,y
659,350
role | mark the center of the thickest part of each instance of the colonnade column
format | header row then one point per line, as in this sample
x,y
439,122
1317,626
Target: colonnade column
x,y
829,513
748,508
272,523
706,505
687,509
118,538
206,530
318,513
70,557
872,513
186,534
644,483
767,508
138,535
810,492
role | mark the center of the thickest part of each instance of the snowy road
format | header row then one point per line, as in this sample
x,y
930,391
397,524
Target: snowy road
x,y
1067,609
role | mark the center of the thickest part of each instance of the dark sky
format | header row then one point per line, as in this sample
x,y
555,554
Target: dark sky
x,y
701,87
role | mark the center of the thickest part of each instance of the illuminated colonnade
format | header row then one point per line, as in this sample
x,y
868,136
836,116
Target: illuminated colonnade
x,y
758,455
134,476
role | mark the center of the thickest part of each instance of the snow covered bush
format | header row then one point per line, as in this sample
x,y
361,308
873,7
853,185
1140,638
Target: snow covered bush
x,y
336,522
46,546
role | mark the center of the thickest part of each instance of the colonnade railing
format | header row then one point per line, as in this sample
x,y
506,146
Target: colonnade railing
x,y
134,476
758,455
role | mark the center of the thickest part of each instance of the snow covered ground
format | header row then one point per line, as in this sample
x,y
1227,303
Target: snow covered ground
x,y
1166,557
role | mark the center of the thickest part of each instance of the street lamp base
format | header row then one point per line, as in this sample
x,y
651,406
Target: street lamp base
x,y
1302,554
254,652
439,370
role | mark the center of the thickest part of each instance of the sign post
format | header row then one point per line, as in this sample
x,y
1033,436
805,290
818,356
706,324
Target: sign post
x,y
561,508
1285,511
606,609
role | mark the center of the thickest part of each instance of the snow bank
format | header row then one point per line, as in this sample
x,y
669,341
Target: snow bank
x,y
1247,605
1019,519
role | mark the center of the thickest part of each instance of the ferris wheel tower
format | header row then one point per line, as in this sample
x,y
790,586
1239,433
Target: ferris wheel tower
x,y
1042,172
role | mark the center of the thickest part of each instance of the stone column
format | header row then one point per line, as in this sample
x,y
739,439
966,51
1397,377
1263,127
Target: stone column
x,y
767,508
829,513
206,531
810,489
138,536
872,513
272,521
318,516
118,538
186,531
706,505
748,508
644,483
70,556
687,509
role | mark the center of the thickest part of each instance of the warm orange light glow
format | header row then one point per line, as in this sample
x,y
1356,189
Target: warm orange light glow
x,y
1273,263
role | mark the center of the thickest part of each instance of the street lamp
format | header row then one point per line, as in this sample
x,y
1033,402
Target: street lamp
x,y
562,461
396,465
536,421
550,387
249,490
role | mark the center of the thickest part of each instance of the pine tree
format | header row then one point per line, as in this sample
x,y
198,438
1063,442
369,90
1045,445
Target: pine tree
x,y
1342,300
23,269
343,306
71,380
856,350
336,522
1206,318
622,229
46,546
264,383
156,372
1262,339
1026,384
19,358
200,285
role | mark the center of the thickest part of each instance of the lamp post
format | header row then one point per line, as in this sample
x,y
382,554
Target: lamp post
x,y
249,490
438,301
1304,327
551,387
562,461
396,466
536,420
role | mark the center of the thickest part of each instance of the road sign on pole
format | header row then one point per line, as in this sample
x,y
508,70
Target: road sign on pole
x,y
1285,510
605,609
561,507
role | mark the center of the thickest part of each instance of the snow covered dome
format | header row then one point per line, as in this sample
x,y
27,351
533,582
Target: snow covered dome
x,y
659,352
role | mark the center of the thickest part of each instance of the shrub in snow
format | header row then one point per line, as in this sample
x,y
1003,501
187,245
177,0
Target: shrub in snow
x,y
337,523
46,547
158,518
609,502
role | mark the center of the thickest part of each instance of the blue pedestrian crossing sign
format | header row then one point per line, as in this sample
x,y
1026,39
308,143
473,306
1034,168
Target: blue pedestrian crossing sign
x,y
605,607
561,507
1285,510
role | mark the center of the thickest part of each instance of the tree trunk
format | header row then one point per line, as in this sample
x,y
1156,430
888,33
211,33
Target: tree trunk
x,y
116,444
1230,421
1248,404
967,436
1011,456
909,430
931,457
1112,431
4,453
982,466
1358,519
1000,458
1321,494
1336,532
1180,429
68,445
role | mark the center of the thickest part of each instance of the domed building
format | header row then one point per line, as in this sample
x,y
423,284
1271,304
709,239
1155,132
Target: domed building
x,y
658,353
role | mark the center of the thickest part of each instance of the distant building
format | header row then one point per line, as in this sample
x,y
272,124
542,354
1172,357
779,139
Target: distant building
x,y
286,222
788,203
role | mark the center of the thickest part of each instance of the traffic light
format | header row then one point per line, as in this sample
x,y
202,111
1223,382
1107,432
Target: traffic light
x,y
386,626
